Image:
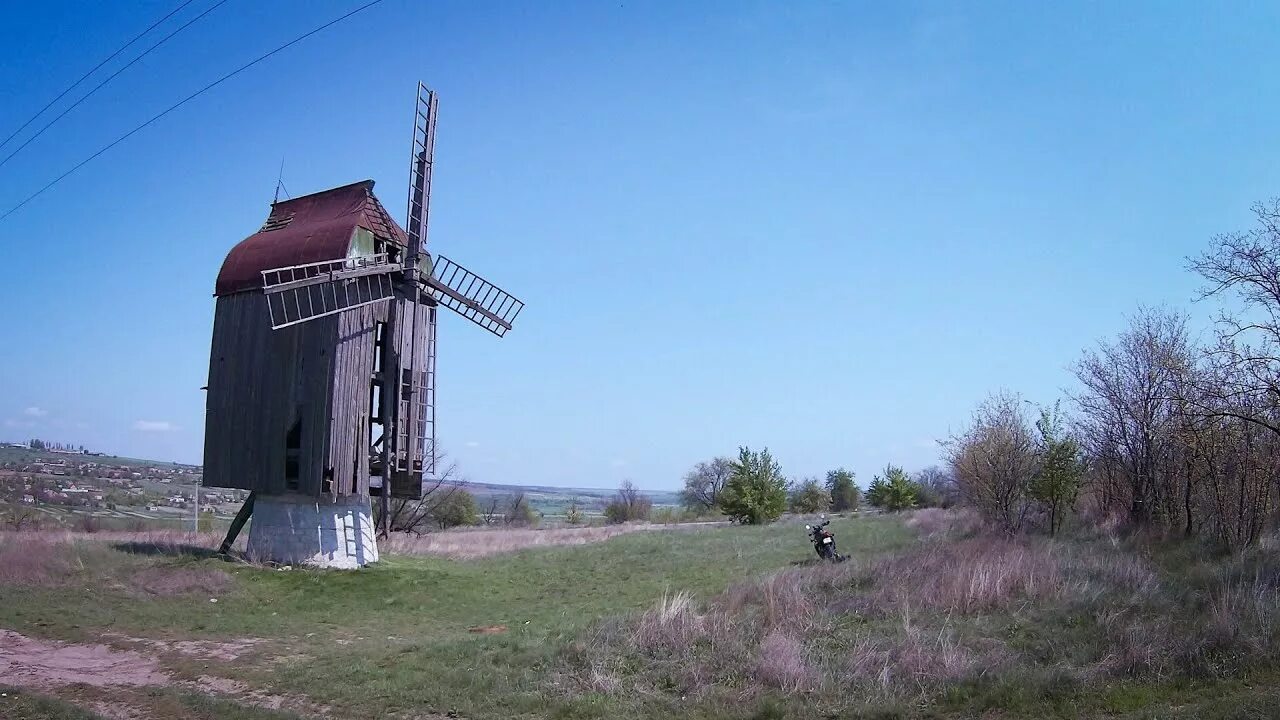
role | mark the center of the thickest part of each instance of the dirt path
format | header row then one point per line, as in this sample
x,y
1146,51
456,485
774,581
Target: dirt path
x,y
40,665
49,666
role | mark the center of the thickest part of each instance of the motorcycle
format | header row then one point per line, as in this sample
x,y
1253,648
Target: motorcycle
x,y
824,542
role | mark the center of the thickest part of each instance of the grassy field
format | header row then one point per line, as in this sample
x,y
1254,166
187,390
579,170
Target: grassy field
x,y
713,622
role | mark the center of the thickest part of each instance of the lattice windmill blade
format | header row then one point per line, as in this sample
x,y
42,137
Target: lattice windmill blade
x,y
421,158
298,293
471,296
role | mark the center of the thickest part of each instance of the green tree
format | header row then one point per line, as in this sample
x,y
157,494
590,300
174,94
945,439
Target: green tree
x,y
1056,483
894,491
875,492
457,508
756,491
844,493
808,496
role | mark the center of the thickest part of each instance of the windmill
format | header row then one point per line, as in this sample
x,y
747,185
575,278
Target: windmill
x,y
321,391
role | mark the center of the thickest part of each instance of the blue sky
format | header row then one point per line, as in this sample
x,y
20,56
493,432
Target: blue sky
x,y
829,228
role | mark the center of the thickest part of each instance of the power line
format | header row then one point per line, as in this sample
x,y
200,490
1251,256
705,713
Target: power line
x,y
111,77
84,77
184,101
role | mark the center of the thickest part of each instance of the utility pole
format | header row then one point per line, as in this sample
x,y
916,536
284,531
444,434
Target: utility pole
x,y
196,528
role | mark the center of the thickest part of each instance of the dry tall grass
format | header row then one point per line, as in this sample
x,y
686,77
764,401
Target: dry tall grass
x,y
61,558
459,543
467,543
906,627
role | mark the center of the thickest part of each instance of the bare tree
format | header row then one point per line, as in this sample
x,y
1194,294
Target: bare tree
x,y
22,518
1246,357
628,504
994,459
418,516
936,487
1129,414
518,512
703,484
491,514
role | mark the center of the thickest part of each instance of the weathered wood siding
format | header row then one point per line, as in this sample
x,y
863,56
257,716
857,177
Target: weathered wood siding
x,y
262,380
353,358
411,333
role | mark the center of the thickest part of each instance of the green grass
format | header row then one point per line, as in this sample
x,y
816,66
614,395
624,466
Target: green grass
x,y
394,640
404,622
20,704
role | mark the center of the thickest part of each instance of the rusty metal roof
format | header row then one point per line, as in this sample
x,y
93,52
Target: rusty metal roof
x,y
306,229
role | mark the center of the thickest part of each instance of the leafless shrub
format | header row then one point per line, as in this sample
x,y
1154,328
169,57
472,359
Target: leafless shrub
x,y
917,658
993,461
22,518
671,626
782,663
934,523
968,576
31,559
628,504
419,516
1137,645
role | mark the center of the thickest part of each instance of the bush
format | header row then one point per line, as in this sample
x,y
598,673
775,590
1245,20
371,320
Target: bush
x,y
935,488
573,515
844,493
672,515
458,508
993,460
1056,483
756,492
808,497
628,504
893,492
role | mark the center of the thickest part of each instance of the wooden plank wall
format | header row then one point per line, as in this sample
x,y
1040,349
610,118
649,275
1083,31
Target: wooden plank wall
x,y
410,335
261,380
352,369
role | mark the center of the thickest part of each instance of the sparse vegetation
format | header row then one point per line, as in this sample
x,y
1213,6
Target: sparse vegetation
x,y
808,496
935,488
628,504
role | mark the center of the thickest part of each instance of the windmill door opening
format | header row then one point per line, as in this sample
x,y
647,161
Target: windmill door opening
x,y
375,428
293,455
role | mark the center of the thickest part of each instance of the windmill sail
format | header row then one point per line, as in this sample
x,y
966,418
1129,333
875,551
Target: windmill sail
x,y
471,296
412,323
299,293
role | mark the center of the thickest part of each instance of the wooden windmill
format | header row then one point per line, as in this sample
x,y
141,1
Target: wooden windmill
x,y
322,372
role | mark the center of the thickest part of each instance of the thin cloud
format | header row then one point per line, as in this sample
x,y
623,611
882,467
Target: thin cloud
x,y
35,412
154,426
10,422
473,443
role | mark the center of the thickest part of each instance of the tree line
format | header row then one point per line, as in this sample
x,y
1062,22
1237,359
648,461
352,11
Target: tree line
x,y
1166,433
752,489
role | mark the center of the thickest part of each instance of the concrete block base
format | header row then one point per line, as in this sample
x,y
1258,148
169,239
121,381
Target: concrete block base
x,y
297,530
